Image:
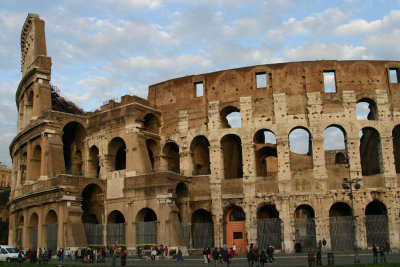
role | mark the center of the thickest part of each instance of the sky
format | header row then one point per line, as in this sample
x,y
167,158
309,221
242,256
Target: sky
x,y
105,49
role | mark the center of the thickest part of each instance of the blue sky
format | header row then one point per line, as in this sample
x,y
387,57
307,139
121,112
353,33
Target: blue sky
x,y
105,49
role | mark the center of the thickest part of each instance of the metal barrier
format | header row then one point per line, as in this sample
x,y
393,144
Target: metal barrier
x,y
305,232
146,232
377,229
342,232
203,235
269,233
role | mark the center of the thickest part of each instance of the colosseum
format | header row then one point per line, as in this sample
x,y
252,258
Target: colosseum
x,y
264,154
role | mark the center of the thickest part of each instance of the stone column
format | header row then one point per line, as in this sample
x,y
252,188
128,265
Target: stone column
x,y
40,228
287,232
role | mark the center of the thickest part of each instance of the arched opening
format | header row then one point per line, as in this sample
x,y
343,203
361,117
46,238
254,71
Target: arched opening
x,y
335,159
93,210
146,227
23,167
366,109
51,226
151,123
117,154
73,143
202,229
300,149
304,224
152,150
201,155
29,107
266,153
230,117
376,222
94,162
341,227
36,162
232,152
182,202
33,230
235,230
396,147
171,152
269,227
116,228
370,152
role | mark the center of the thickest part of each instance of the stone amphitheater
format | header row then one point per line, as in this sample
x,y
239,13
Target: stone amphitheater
x,y
263,154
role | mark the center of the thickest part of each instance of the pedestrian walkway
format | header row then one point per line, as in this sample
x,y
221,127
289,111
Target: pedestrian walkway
x,y
282,259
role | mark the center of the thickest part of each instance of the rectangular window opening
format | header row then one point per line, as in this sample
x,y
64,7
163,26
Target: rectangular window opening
x,y
199,89
394,75
329,81
237,235
261,78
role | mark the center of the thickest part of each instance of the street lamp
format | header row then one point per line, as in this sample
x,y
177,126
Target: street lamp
x,y
348,187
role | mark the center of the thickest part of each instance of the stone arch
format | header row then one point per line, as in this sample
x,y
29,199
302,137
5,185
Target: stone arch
x,y
266,154
33,231
341,226
116,228
117,154
269,229
36,162
231,146
370,152
51,230
396,147
29,106
73,145
151,123
200,151
94,162
235,230
376,223
93,210
171,153
202,229
304,223
366,109
153,151
146,227
300,145
182,199
230,117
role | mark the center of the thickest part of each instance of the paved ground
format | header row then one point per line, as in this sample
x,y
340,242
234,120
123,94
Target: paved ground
x,y
282,259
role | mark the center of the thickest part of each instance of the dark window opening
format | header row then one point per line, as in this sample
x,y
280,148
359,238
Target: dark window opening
x,y
199,89
237,215
261,79
329,81
237,235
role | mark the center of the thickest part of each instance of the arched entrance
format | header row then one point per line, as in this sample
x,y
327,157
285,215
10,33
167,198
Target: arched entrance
x,y
73,145
341,226
269,227
116,228
376,222
93,209
304,224
51,231
146,227
33,230
202,229
235,230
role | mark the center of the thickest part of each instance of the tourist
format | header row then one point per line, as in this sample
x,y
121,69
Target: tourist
x,y
263,258
215,257
324,245
250,257
319,258
375,254
311,258
205,255
179,257
382,251
123,255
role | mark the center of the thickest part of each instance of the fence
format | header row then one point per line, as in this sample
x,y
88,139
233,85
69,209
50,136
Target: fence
x,y
342,232
377,229
146,232
203,235
94,234
116,233
305,232
52,236
269,233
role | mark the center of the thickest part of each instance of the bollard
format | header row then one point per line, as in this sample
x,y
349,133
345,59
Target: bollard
x,y
330,259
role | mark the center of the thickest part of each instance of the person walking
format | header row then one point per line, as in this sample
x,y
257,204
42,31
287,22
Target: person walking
x,y
324,245
311,258
263,257
205,255
123,256
180,257
319,259
250,257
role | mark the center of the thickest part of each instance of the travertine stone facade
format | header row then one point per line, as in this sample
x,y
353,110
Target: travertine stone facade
x,y
174,167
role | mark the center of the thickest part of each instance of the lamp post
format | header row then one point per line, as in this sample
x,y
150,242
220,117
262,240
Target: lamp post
x,y
348,187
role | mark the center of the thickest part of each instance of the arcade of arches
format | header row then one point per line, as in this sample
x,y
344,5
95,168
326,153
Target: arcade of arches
x,y
240,163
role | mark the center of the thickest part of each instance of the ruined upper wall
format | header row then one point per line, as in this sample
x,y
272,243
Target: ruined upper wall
x,y
295,79
33,42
